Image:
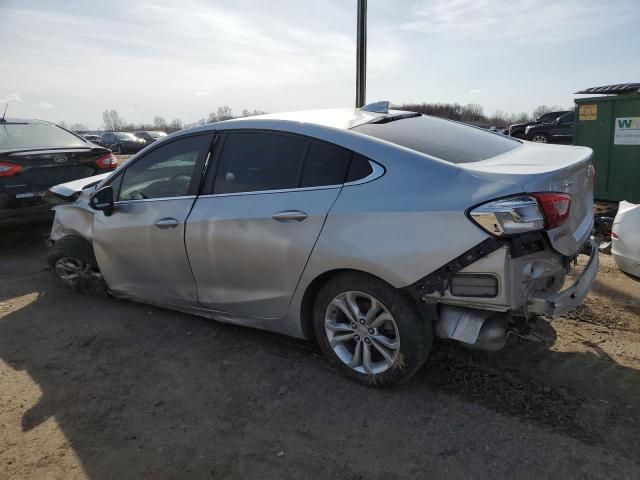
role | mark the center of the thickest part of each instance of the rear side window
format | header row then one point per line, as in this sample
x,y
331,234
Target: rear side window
x,y
325,165
444,139
359,169
37,135
253,162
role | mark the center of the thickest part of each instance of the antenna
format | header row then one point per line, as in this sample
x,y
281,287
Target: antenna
x,y
361,54
2,120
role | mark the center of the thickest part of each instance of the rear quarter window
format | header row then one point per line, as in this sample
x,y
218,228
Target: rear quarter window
x,y
444,139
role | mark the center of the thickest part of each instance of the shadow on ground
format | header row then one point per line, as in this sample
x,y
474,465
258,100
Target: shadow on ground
x,y
141,392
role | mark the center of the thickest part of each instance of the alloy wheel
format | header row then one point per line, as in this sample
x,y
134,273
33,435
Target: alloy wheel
x,y
70,270
539,139
362,332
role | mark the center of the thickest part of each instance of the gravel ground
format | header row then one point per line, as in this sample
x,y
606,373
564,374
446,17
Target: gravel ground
x,y
97,388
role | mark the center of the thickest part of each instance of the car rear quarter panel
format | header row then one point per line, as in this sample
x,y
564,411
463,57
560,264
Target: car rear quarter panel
x,y
403,225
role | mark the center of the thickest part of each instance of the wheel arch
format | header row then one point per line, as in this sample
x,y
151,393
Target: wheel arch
x,y
312,289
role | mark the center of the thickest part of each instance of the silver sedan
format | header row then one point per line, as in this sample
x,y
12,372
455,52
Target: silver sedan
x,y
371,230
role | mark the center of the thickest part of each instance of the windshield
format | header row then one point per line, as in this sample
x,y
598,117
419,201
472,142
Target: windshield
x,y
36,135
126,136
450,141
157,134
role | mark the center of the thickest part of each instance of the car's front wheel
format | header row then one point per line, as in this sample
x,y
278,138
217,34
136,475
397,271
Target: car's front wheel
x,y
370,331
72,260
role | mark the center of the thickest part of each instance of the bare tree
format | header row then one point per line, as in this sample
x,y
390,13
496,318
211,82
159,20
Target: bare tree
x,y
159,123
224,113
112,120
542,109
63,124
78,127
175,125
212,117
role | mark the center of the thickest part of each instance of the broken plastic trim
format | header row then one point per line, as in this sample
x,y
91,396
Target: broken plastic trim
x,y
438,280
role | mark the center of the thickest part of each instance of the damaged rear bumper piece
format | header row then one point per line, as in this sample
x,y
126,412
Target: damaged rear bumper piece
x,y
484,323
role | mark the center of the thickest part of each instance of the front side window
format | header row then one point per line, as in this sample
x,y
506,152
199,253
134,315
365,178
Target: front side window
x,y
169,171
253,162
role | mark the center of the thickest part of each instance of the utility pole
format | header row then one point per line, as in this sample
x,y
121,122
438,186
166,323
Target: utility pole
x,y
361,55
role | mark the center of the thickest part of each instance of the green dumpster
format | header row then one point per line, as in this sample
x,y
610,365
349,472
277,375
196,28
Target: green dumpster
x,y
610,125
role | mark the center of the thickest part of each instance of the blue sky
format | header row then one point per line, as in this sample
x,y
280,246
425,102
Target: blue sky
x,y
69,60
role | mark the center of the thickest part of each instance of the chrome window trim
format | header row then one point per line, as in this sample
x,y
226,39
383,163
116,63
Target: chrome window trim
x,y
160,199
282,190
378,171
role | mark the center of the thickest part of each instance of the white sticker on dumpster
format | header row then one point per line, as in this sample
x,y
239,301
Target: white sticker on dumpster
x,y
627,131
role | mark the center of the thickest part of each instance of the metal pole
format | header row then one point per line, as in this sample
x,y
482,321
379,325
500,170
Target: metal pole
x,y
361,55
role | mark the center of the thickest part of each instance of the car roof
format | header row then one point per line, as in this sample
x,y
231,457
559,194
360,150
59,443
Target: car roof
x,y
340,118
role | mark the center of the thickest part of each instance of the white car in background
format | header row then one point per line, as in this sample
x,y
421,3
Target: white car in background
x,y
625,238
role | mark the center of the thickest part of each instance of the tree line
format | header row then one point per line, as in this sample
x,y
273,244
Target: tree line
x,y
471,113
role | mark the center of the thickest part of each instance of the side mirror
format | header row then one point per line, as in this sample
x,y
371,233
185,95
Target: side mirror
x,y
102,200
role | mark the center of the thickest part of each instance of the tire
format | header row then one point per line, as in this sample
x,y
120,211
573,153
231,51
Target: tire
x,y
397,325
72,260
540,138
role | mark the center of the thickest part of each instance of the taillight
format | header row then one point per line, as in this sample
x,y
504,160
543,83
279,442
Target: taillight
x,y
107,162
555,207
523,213
509,216
9,169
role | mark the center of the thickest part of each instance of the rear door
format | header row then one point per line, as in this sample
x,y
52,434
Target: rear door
x,y
249,236
140,247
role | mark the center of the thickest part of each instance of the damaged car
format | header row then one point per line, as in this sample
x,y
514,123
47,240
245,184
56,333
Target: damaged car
x,y
371,230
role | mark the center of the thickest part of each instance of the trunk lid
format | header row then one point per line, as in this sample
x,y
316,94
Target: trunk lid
x,y
549,168
43,168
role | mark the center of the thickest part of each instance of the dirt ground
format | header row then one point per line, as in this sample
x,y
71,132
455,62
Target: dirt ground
x,y
97,388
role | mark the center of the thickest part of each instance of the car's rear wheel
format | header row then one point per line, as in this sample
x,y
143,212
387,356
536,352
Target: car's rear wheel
x,y
370,331
74,263
540,138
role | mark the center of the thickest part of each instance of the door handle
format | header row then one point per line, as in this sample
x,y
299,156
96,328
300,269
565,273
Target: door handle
x,y
289,216
168,222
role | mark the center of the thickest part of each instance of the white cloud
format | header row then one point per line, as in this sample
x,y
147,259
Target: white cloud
x,y
43,104
543,21
13,97
202,93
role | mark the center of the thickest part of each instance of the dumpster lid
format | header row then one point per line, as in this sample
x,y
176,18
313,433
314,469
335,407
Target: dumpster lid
x,y
613,89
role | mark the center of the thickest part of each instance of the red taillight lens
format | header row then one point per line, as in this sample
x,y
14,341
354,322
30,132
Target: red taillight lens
x,y
555,208
9,169
107,162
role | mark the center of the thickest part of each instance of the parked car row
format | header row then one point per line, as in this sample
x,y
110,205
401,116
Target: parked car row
x,y
125,142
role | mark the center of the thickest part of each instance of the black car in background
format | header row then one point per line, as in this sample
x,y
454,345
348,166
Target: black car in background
x,y
122,142
150,136
36,155
517,130
92,138
559,131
